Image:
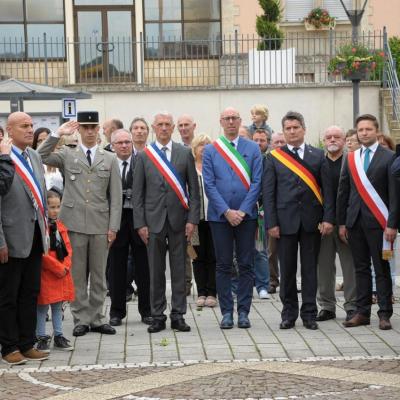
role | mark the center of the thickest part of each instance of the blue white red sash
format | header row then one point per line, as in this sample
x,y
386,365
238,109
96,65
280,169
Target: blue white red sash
x,y
370,197
168,171
24,170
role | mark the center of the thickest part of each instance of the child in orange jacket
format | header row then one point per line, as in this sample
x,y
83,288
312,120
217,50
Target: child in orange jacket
x,y
56,280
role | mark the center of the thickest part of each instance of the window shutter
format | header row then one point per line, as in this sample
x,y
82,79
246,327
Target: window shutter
x,y
336,9
297,10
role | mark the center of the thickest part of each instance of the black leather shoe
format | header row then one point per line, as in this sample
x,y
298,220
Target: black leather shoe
x,y
350,314
272,290
325,315
147,320
310,324
286,324
156,326
104,329
243,321
180,325
80,330
115,321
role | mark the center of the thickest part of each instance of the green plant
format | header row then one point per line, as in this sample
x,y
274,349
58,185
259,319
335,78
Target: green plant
x,y
319,17
357,58
394,43
266,25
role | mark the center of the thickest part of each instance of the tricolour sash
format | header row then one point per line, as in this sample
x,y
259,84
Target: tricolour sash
x,y
370,197
24,170
234,159
300,170
168,171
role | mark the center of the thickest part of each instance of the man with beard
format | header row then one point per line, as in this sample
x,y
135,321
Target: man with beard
x,y
334,142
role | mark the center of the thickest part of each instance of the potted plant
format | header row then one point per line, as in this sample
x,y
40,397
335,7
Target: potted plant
x,y
319,19
357,62
268,63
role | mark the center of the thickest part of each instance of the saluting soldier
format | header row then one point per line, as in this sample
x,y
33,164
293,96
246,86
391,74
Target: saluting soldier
x,y
91,210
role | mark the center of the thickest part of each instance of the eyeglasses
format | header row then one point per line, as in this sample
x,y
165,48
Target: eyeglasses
x,y
233,118
73,146
127,142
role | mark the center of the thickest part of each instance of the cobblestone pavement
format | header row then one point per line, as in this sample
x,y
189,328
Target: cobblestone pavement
x,y
261,362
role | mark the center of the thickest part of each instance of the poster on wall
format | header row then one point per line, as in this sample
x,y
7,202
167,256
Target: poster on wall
x,y
50,121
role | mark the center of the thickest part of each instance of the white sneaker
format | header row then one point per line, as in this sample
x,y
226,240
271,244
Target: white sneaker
x,y
263,294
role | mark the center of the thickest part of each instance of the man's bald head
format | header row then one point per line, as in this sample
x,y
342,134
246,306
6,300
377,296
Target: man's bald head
x,y
20,129
186,127
230,122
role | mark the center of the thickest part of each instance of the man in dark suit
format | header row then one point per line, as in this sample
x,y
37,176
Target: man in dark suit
x,y
23,239
121,141
367,185
299,208
232,169
166,207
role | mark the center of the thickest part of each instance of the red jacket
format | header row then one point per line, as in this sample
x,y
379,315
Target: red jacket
x,y
55,286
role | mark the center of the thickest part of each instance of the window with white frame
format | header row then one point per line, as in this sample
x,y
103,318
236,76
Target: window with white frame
x,y
297,10
336,9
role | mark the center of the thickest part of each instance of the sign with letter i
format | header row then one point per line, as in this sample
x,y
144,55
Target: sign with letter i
x,y
68,108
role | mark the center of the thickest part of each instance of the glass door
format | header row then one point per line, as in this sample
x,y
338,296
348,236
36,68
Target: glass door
x,y
104,44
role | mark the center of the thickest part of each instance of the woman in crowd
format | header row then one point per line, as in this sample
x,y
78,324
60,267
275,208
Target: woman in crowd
x,y
204,264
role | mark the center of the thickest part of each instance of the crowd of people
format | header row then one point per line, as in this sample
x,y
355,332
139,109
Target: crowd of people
x,y
80,219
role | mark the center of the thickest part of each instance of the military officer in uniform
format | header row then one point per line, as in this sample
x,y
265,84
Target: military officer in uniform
x,y
91,210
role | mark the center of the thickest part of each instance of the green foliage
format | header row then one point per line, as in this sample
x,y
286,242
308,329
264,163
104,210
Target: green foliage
x,y
266,25
356,58
394,43
319,17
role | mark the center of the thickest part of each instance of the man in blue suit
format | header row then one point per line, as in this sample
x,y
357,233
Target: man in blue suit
x,y
232,168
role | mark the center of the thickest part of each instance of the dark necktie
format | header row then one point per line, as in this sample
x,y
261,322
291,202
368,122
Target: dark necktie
x,y
296,151
367,158
25,155
232,144
88,156
164,150
125,165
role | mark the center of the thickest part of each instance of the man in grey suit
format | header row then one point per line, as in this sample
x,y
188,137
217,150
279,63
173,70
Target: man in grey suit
x,y
163,211
23,239
91,210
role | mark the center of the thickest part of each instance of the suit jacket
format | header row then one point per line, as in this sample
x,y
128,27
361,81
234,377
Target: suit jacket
x,y
289,202
18,213
92,199
154,200
223,187
349,203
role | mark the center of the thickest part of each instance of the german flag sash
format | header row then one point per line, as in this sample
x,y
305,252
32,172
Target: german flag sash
x,y
370,197
300,170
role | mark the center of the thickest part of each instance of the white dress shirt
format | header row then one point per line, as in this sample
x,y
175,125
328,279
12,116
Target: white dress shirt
x,y
300,150
121,166
92,151
169,149
371,153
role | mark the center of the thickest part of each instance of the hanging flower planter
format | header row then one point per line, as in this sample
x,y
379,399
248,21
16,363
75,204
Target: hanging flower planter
x,y
357,62
319,20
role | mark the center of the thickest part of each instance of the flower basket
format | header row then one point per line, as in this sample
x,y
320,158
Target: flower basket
x,y
357,62
319,19
311,27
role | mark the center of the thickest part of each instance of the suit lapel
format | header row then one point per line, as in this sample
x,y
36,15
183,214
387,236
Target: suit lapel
x,y
174,153
374,161
98,157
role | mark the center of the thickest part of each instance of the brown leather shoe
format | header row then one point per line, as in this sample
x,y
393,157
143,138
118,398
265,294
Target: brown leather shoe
x,y
14,358
357,320
35,355
384,324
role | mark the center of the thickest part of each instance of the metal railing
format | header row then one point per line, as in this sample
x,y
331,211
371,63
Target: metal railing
x,y
227,61
390,79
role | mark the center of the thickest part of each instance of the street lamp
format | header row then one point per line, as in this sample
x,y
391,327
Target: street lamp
x,y
355,15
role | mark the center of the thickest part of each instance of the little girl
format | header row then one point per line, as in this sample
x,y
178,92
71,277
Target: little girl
x,y
56,280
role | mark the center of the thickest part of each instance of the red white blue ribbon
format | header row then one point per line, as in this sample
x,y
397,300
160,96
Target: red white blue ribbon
x,y
368,194
24,170
168,171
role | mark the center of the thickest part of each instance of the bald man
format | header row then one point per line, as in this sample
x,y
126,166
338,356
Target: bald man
x,y
23,240
334,140
232,180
